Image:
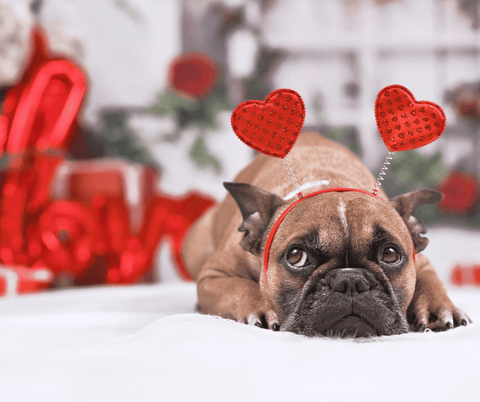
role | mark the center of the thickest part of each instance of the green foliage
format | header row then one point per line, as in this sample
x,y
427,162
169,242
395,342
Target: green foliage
x,y
120,139
347,136
200,155
187,113
257,86
411,170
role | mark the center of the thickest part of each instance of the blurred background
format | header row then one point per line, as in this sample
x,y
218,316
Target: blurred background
x,y
147,149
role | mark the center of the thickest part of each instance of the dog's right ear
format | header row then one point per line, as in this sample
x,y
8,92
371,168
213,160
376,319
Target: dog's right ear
x,y
257,207
407,204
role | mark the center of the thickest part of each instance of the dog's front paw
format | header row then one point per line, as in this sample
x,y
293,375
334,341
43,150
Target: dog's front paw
x,y
437,316
262,316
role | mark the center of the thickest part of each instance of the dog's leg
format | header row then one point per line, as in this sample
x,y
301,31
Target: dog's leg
x,y
234,297
431,307
227,283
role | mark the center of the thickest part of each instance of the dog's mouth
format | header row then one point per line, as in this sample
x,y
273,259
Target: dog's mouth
x,y
327,309
351,326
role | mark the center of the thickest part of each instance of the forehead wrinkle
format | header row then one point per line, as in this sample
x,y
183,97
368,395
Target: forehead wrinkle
x,y
322,219
366,216
381,233
314,241
312,237
307,236
361,216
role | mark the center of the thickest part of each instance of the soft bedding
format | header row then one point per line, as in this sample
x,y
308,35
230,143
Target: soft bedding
x,y
147,343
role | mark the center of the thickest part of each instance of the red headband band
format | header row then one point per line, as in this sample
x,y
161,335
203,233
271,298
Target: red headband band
x,y
291,206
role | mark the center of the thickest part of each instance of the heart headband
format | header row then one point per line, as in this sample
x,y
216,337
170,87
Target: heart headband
x,y
405,123
272,127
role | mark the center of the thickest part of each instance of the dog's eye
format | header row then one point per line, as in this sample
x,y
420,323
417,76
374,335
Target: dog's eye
x,y
391,255
297,257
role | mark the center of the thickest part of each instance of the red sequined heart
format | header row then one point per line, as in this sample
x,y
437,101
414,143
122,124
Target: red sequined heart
x,y
271,126
405,123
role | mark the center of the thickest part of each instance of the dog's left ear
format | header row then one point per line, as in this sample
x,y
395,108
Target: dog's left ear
x,y
258,207
407,204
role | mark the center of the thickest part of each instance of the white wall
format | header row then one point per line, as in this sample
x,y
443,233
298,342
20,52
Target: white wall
x,y
126,49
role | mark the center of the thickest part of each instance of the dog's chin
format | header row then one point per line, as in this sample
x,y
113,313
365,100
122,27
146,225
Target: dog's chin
x,y
351,326
366,323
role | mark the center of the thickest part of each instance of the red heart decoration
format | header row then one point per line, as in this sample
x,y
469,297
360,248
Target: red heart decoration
x,y
461,190
271,126
405,123
194,74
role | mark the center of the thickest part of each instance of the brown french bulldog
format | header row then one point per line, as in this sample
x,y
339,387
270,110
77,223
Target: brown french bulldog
x,y
341,263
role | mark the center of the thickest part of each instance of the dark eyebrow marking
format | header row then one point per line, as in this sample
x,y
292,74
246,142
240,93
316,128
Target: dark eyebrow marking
x,y
310,241
381,234
313,242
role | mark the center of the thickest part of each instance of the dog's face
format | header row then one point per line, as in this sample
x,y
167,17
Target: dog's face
x,y
341,263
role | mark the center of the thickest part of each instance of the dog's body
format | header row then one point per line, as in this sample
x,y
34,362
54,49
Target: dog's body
x,y
340,263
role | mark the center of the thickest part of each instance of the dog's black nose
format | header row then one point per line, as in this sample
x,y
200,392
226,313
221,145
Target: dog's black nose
x,y
349,281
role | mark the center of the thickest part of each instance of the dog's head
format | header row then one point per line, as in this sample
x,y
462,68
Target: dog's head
x,y
341,263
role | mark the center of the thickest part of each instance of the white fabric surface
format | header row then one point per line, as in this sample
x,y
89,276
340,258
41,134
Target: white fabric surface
x,y
146,343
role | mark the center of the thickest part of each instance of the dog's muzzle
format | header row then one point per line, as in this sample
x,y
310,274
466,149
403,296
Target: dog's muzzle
x,y
347,302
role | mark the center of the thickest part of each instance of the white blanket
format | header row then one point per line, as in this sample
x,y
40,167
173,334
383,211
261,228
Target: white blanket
x,y
147,343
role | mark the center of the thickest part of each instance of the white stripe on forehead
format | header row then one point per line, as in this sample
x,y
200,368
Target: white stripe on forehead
x,y
342,209
342,212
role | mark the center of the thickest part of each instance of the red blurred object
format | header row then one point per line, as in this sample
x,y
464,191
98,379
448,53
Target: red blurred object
x,y
133,217
17,279
97,221
39,112
461,190
173,216
469,109
68,235
466,274
194,74
119,218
